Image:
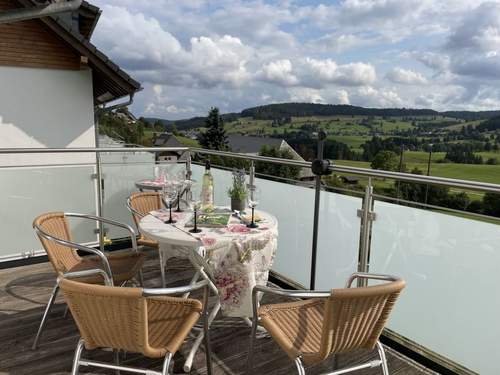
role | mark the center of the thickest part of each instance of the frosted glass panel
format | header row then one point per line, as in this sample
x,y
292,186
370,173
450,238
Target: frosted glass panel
x,y
29,192
338,240
120,172
452,269
293,207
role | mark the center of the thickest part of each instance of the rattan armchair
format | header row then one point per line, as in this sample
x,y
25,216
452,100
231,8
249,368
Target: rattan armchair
x,y
322,324
141,204
53,231
146,321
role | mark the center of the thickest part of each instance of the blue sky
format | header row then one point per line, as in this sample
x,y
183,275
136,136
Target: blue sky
x,y
193,54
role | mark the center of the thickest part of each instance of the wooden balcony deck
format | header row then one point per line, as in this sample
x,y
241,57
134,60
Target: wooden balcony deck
x,y
24,292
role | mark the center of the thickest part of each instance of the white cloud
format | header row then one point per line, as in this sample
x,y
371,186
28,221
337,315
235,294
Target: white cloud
x,y
279,72
301,94
405,77
371,97
158,57
342,42
438,62
194,54
328,71
474,44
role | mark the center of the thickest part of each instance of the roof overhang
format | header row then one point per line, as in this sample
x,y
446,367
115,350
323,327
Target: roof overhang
x,y
109,81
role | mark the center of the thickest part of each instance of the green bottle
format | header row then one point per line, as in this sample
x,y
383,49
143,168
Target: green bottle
x,y
207,189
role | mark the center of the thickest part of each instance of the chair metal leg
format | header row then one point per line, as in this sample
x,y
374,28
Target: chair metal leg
x,y
166,363
162,269
66,310
251,348
208,349
116,359
381,353
141,278
45,314
300,366
193,281
76,358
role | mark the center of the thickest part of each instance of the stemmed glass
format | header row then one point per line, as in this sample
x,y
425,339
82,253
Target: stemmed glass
x,y
170,193
253,201
180,180
195,204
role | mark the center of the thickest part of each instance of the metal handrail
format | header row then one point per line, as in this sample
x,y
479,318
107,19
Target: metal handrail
x,y
291,162
409,177
43,150
416,178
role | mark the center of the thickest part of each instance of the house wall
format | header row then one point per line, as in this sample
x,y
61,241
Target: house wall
x,y
46,108
31,44
304,172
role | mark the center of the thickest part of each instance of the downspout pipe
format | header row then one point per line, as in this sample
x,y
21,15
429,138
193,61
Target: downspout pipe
x,y
51,9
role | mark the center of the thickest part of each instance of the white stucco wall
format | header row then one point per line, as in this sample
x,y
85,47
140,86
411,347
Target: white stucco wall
x,y
45,108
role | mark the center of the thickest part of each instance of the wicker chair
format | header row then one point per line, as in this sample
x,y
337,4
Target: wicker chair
x,y
326,323
139,205
53,231
145,321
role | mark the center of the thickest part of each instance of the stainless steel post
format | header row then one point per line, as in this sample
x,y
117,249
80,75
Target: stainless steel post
x,y
100,182
317,196
367,217
189,172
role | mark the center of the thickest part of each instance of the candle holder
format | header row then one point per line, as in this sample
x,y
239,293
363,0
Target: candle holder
x,y
253,201
195,228
252,224
170,219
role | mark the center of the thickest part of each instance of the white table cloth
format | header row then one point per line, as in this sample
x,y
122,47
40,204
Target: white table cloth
x,y
235,257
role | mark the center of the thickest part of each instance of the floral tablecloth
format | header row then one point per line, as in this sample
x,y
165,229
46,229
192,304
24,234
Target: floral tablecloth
x,y
235,257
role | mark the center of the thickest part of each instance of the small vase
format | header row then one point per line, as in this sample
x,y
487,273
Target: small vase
x,y
238,204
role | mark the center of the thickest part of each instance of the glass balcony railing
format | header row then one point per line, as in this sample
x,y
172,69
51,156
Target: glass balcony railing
x,y
450,261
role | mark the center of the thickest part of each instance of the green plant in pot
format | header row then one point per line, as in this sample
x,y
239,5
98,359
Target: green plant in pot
x,y
238,191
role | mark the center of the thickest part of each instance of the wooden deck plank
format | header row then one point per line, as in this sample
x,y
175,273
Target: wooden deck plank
x,y
25,290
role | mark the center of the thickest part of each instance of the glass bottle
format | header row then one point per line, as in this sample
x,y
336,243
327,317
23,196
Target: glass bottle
x,y
207,189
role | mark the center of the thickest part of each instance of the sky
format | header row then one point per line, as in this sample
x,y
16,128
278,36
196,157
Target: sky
x,y
191,55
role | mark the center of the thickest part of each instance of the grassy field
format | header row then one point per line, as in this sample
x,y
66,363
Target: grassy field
x,y
334,125
484,173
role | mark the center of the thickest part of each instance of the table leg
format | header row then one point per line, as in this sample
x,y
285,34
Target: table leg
x,y
249,322
201,272
163,262
197,342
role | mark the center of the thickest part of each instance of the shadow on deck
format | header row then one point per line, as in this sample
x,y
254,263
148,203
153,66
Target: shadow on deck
x,y
24,291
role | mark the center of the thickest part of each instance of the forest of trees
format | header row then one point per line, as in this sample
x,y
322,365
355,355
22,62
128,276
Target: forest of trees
x,y
283,110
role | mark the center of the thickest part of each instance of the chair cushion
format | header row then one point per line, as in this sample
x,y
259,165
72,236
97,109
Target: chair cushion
x,y
124,266
296,327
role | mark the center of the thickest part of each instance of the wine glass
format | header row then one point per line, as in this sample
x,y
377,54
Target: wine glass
x,y
195,205
170,193
161,173
253,201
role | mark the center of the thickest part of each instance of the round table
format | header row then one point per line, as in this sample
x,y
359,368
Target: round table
x,y
149,184
235,258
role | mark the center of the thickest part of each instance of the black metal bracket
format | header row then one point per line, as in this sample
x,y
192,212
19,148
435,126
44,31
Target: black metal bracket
x,y
321,167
